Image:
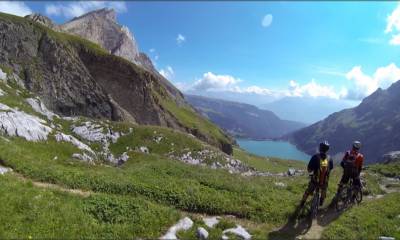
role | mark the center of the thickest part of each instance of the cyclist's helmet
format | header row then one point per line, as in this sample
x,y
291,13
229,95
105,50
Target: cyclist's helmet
x,y
357,145
324,146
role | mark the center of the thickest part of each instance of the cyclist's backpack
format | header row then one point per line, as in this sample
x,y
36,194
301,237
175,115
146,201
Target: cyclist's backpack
x,y
323,169
350,160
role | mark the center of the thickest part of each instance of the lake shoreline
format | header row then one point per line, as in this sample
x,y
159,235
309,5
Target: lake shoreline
x,y
277,148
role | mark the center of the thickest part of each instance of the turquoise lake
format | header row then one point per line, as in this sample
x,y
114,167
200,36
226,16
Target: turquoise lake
x,y
267,148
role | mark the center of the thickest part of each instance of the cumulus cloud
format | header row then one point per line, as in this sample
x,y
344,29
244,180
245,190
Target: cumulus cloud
x,y
393,26
180,39
75,9
267,20
167,72
214,82
366,84
312,89
15,8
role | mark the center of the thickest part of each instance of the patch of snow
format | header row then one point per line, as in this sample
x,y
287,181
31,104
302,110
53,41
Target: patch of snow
x,y
183,225
71,139
238,231
202,233
211,221
39,107
16,123
4,170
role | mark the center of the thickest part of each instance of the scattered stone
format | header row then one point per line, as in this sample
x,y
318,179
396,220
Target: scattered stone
x,y
238,231
39,107
144,149
3,75
183,225
211,221
391,157
2,93
280,184
122,159
21,124
55,158
158,139
386,238
4,170
291,172
71,139
90,132
83,157
224,237
202,233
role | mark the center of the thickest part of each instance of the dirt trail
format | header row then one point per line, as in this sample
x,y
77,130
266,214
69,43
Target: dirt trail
x,y
306,229
52,186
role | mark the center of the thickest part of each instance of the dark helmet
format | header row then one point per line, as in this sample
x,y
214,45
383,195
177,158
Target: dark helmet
x,y
324,146
357,145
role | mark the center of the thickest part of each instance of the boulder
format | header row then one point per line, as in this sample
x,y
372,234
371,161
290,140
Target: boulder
x,y
39,107
238,231
68,138
183,225
21,124
201,233
211,221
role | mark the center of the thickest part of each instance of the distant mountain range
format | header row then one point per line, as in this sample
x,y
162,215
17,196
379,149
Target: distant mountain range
x,y
306,109
375,122
243,120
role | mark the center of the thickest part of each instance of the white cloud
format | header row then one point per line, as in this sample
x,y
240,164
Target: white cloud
x,y
168,72
365,84
152,50
75,9
393,26
311,89
213,82
267,20
395,39
15,8
180,39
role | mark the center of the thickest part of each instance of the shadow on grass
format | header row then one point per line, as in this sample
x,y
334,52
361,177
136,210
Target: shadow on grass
x,y
299,223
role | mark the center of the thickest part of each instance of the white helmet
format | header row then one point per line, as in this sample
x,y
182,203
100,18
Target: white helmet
x,y
357,145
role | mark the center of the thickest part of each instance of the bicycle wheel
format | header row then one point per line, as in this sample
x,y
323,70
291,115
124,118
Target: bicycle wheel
x,y
358,195
314,206
341,200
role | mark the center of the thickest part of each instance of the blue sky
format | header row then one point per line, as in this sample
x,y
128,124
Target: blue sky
x,y
340,50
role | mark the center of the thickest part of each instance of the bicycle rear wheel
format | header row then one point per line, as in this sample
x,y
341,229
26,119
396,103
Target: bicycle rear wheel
x,y
341,200
358,195
314,206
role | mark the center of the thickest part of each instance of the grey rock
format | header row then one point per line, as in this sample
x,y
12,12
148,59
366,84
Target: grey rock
x,y
101,27
71,139
3,75
21,124
291,171
4,170
238,231
144,149
211,221
38,18
183,225
280,184
202,233
386,238
83,157
39,107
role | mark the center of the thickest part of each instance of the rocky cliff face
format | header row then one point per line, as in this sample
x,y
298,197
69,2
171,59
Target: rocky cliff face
x,y
75,77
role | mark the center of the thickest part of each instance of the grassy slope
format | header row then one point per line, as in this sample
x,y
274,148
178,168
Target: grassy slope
x,y
368,221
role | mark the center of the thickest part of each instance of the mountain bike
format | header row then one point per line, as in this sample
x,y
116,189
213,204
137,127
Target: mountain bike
x,y
349,195
315,202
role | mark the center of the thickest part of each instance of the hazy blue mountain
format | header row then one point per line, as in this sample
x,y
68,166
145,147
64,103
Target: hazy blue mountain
x,y
243,120
307,110
375,122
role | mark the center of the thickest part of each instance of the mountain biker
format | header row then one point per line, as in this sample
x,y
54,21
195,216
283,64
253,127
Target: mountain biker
x,y
352,165
319,166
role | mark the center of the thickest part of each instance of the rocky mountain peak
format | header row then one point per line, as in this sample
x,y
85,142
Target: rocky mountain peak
x,y
101,26
104,13
38,18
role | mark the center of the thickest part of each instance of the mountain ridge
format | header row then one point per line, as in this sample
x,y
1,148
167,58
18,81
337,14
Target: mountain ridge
x,y
375,122
242,119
